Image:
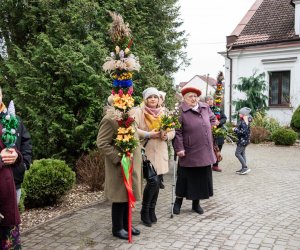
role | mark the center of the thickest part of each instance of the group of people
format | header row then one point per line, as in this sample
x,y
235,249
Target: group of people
x,y
13,163
193,144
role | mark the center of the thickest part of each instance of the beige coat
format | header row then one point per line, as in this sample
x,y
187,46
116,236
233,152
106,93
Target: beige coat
x,y
156,149
114,187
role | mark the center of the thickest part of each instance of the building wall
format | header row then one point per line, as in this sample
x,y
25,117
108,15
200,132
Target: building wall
x,y
245,62
197,81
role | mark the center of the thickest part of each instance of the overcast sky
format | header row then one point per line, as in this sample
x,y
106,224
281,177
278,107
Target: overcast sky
x,y
208,23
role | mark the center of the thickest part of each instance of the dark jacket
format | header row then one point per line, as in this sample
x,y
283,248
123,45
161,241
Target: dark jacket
x,y
8,200
24,146
220,139
243,133
194,136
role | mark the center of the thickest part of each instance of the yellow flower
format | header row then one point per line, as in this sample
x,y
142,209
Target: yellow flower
x,y
117,49
119,137
126,51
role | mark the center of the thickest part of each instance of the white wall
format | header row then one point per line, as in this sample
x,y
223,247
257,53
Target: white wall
x,y
244,62
197,81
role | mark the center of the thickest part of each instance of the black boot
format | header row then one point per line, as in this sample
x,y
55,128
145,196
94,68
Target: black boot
x,y
134,230
196,207
177,205
149,192
161,182
152,207
117,215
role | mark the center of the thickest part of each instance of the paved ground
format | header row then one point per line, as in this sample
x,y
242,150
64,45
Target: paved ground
x,y
257,211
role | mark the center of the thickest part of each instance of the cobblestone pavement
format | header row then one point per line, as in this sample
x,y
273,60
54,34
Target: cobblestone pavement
x,y
260,210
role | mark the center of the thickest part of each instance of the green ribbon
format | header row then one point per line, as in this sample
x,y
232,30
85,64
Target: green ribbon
x,y
126,162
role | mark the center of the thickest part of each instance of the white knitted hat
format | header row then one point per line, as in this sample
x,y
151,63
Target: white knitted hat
x,y
150,91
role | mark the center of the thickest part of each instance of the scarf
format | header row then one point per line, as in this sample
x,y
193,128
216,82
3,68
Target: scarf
x,y
152,118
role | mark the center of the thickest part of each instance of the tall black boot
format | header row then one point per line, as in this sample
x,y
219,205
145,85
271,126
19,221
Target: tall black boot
x,y
196,207
117,215
152,207
149,192
134,230
177,205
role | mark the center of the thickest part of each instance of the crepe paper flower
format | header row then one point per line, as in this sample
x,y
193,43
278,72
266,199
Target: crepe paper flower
x,y
127,50
10,123
117,49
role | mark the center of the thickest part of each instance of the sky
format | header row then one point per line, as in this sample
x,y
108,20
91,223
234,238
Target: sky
x,y
208,23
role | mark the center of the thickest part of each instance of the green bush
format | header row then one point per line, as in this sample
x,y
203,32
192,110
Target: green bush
x,y
258,134
270,124
295,122
46,181
284,136
21,204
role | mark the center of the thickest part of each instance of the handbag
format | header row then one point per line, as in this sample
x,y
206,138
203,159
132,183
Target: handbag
x,y
149,171
217,152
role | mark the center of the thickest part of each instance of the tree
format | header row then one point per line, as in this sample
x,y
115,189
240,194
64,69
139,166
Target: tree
x,y
52,65
254,88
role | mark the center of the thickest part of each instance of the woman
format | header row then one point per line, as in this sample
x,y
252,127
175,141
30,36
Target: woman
x,y
9,213
219,140
156,147
114,187
194,145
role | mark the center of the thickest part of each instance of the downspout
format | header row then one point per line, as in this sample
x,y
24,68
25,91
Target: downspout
x,y
230,82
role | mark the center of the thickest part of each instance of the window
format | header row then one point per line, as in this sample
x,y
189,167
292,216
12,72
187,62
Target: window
x,y
279,88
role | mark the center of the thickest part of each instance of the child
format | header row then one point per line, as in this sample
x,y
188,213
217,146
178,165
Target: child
x,y
243,133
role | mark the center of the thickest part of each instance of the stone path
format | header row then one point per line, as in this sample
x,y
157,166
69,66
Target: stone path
x,y
257,211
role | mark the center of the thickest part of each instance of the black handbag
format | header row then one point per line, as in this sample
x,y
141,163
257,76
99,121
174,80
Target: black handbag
x,y
149,171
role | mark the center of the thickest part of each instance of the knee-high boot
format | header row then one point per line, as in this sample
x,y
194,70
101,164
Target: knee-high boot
x,y
152,207
117,215
149,192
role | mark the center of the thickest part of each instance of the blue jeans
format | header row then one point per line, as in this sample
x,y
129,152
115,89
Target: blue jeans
x,y
241,155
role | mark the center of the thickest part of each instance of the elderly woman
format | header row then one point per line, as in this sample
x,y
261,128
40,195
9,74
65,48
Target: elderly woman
x,y
194,145
114,187
148,122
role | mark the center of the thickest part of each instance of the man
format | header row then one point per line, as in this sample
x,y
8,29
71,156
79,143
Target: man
x,y
23,145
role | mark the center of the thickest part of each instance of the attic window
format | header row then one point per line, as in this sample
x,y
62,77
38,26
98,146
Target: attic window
x,y
279,93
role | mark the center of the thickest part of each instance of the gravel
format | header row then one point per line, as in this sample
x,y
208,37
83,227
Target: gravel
x,y
78,197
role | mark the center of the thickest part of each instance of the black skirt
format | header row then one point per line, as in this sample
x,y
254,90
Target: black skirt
x,y
194,183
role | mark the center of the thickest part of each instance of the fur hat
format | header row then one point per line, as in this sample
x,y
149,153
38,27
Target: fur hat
x,y
150,91
245,111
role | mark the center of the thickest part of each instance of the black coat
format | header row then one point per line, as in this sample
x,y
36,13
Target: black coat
x,y
220,139
24,146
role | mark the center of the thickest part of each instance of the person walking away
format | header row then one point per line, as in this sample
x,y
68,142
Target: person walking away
x,y
156,149
219,140
243,133
194,145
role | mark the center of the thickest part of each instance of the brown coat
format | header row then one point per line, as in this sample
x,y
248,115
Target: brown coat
x,y
156,149
114,187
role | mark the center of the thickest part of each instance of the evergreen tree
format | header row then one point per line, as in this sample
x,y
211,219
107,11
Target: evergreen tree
x,y
52,65
254,88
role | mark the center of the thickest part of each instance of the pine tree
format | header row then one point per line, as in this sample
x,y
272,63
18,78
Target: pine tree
x,y
254,88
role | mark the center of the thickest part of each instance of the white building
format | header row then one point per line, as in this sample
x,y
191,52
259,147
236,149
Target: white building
x,y
267,40
206,83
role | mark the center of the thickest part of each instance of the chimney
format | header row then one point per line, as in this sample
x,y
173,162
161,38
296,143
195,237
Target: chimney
x,y
297,17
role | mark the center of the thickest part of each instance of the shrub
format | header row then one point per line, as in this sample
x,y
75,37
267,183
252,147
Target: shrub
x,y
295,122
258,134
46,181
270,124
284,136
21,204
90,170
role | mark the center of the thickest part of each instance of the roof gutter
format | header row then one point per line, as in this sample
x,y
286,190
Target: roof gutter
x,y
230,82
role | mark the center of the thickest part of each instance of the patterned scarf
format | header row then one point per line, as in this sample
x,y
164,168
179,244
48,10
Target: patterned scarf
x,y
152,117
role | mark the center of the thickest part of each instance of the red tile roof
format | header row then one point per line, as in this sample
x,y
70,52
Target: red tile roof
x,y
267,21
